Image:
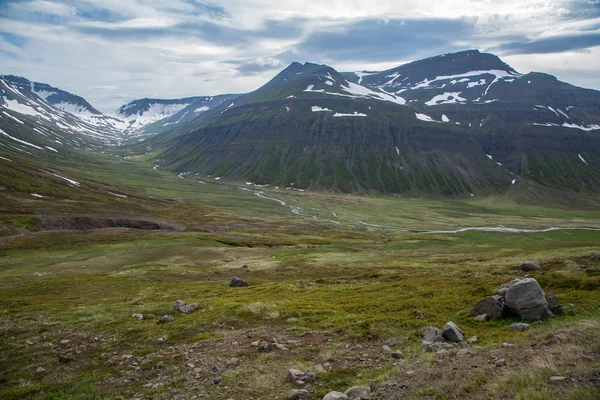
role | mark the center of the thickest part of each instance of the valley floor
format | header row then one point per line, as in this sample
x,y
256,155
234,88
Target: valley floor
x,y
336,297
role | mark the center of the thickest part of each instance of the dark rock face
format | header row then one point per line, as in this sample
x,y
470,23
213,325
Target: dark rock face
x,y
527,299
491,305
237,282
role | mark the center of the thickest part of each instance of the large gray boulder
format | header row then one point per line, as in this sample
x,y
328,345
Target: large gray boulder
x,y
501,290
452,333
491,305
526,298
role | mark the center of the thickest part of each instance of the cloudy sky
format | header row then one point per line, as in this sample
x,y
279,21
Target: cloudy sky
x,y
114,51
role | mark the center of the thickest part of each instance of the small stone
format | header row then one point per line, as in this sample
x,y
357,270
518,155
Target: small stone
x,y
397,354
358,392
557,378
463,353
562,336
507,345
255,344
294,375
319,368
295,394
65,359
472,339
387,348
500,363
237,282
482,318
160,364
216,380
139,317
40,369
530,266
335,396
267,347
234,361
327,365
595,256
190,365
419,314
138,303
165,319
520,327
184,307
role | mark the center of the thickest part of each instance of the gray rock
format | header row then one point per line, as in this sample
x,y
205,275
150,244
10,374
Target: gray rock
x,y
266,347
432,334
521,327
452,332
335,396
138,303
500,363
165,319
526,298
472,339
482,318
434,346
463,353
184,307
530,266
237,282
387,348
358,392
295,375
595,256
397,354
295,394
418,314
139,317
491,305
557,378
40,369
553,304
216,380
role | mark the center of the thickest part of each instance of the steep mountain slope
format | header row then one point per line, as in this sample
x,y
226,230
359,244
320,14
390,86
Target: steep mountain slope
x,y
464,123
78,122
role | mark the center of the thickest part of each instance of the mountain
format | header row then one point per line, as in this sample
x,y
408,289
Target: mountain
x,y
457,124
36,115
144,112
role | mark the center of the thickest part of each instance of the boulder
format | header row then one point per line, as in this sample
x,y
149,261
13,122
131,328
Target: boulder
x,y
530,266
296,394
432,334
237,282
491,305
521,327
553,304
335,396
452,332
397,354
358,392
526,298
165,319
184,307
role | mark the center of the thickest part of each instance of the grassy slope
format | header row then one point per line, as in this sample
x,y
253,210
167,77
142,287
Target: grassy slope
x,y
321,284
